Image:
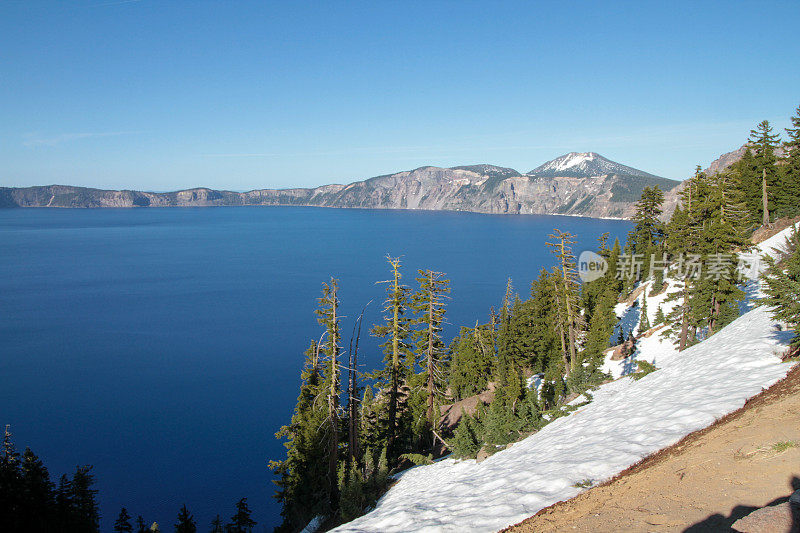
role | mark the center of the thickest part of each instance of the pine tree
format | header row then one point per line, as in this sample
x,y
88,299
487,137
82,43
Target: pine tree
x,y
648,232
644,321
353,390
216,525
471,361
398,357
123,522
467,439
186,523
36,494
241,522
764,143
328,317
141,527
660,318
303,483
83,500
782,285
430,349
601,328
567,295
789,197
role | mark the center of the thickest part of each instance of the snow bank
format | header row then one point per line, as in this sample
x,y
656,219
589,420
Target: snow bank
x,y
627,421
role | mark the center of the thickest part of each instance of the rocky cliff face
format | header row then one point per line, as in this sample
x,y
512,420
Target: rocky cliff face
x,y
729,158
589,185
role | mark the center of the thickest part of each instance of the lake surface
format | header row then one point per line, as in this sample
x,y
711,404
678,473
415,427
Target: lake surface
x,y
163,346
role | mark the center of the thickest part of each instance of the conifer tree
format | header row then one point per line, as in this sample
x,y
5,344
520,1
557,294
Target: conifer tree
x,y
644,321
647,234
764,143
398,357
538,324
789,197
303,484
567,293
186,523
123,522
241,522
328,317
353,390
431,352
36,494
467,438
660,318
782,287
141,527
601,328
471,361
9,476
83,500
216,525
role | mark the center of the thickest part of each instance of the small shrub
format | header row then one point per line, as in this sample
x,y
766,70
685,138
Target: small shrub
x,y
644,369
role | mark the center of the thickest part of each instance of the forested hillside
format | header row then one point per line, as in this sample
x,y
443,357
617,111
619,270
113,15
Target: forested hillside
x,y
518,370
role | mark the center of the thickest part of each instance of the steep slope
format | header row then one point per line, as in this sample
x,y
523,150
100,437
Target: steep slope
x,y
626,421
705,482
478,188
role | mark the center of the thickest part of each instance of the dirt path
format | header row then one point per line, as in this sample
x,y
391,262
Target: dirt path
x,y
705,482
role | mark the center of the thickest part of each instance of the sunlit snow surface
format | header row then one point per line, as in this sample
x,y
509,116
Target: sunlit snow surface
x,y
626,421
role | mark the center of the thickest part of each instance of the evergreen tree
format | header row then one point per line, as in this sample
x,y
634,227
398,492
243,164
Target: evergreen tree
x,y
782,286
303,485
601,328
644,321
9,477
36,494
764,143
398,359
141,527
216,525
467,439
789,196
648,232
241,522
538,325
123,522
471,361
186,523
747,174
567,296
430,349
85,508
328,317
660,318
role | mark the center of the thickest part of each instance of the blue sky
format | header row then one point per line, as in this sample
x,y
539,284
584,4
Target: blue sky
x,y
162,95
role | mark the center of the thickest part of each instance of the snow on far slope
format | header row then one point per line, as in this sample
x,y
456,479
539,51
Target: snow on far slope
x,y
626,421
584,165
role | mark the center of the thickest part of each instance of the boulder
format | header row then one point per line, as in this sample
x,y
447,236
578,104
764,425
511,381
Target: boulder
x,y
781,518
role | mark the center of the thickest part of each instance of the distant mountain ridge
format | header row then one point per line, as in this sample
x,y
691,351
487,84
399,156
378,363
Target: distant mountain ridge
x,y
578,183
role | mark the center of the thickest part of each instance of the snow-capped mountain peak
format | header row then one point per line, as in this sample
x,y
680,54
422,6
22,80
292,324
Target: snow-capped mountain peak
x,y
584,165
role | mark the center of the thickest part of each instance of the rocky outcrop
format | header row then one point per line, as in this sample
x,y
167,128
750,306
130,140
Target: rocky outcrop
x,y
729,158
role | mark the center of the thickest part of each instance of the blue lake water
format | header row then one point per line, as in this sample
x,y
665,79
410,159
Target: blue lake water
x,y
163,346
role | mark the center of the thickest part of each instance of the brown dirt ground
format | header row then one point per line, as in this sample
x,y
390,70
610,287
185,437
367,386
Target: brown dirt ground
x,y
705,482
